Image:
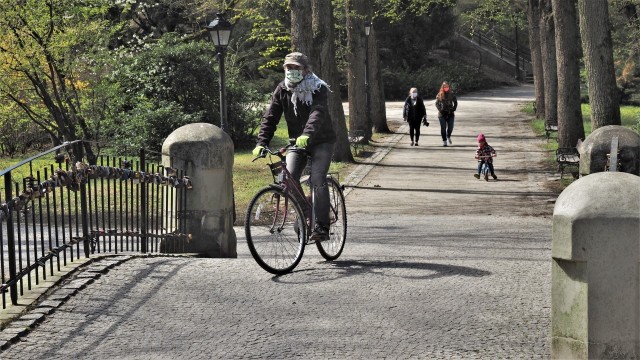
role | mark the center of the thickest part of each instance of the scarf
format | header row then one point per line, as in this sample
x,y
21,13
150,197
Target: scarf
x,y
304,90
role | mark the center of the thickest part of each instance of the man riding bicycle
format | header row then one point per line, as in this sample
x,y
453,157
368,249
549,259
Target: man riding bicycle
x,y
303,97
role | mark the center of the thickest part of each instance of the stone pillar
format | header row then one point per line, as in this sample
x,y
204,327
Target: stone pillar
x,y
206,153
594,150
595,290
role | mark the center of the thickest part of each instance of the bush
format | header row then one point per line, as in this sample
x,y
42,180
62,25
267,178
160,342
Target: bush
x,y
461,77
174,82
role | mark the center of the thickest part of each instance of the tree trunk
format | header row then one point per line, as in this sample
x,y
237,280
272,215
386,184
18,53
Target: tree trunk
x,y
301,28
533,17
595,31
356,56
312,23
570,126
323,33
378,108
549,66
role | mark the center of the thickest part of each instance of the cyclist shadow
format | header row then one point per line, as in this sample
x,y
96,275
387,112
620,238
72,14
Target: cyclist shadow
x,y
389,268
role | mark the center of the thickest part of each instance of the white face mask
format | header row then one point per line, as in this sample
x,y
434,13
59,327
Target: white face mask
x,y
294,75
414,95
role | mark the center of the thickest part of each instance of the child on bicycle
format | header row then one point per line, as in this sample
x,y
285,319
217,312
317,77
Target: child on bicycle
x,y
485,154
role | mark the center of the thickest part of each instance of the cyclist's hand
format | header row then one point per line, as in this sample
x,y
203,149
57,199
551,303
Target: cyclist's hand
x,y
302,141
258,151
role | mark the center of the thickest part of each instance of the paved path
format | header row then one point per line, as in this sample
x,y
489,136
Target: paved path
x,y
438,265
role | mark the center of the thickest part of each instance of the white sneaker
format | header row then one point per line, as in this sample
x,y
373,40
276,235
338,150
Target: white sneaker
x,y
449,138
444,143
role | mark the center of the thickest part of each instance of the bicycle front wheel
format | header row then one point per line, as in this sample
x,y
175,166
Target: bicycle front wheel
x,y
276,230
332,248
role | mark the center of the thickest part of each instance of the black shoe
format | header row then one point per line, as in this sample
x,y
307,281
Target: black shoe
x,y
320,233
494,177
416,143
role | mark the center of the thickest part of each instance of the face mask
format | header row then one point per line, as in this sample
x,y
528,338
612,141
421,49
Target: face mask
x,y
414,95
295,76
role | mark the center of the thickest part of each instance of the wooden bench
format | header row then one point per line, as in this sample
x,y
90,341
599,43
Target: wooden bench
x,y
356,140
550,127
568,157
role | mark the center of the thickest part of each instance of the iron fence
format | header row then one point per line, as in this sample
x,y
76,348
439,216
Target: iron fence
x,y
56,208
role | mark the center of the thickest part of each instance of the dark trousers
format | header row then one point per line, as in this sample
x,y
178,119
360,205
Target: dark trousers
x,y
321,155
446,126
414,130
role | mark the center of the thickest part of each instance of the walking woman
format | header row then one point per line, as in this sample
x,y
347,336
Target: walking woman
x,y
414,112
447,104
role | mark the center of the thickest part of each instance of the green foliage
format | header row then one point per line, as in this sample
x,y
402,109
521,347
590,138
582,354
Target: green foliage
x,y
428,79
44,52
270,30
407,43
500,14
172,82
399,10
625,24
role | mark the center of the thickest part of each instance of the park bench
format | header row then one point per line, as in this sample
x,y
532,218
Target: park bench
x,y
550,127
568,157
356,141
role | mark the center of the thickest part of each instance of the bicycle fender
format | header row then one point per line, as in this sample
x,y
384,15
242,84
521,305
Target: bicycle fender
x,y
275,186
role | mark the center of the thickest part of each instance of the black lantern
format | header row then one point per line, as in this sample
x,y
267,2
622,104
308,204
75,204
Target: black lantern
x,y
367,31
367,27
220,33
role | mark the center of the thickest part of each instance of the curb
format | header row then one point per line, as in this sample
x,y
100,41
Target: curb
x,y
363,169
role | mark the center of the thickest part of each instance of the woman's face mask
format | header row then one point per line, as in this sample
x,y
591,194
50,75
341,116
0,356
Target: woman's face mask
x,y
294,75
414,95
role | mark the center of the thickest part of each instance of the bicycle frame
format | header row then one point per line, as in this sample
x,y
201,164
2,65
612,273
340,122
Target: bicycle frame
x,y
485,167
284,180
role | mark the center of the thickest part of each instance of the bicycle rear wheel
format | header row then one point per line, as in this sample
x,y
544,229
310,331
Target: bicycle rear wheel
x,y
332,248
276,230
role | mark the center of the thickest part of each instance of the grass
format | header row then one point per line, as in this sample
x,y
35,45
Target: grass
x,y
629,116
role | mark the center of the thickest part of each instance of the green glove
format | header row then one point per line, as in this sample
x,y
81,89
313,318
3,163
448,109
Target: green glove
x,y
258,150
302,141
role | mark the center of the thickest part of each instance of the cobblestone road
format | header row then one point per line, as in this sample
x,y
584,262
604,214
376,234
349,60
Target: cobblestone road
x,y
453,283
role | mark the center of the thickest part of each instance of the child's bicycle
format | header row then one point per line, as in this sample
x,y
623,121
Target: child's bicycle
x,y
484,169
280,218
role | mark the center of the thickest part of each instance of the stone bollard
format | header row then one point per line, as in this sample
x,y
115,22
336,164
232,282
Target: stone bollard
x,y
206,153
595,276
594,150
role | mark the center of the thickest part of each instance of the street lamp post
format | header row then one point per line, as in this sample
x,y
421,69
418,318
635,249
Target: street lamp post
x,y
367,30
220,33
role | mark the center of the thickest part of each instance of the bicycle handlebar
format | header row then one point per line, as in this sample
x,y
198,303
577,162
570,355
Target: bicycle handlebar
x,y
282,151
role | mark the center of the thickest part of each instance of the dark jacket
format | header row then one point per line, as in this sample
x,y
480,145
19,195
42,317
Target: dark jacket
x,y
414,113
447,105
312,120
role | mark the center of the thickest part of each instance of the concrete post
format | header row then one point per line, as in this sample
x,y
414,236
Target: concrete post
x,y
206,153
594,149
595,291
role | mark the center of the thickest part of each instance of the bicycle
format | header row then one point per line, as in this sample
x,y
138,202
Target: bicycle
x,y
484,169
280,218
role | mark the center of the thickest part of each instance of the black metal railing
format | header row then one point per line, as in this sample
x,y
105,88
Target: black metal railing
x,y
56,208
504,47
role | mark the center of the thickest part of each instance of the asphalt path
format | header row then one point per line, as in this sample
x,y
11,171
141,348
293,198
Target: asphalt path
x,y
438,265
